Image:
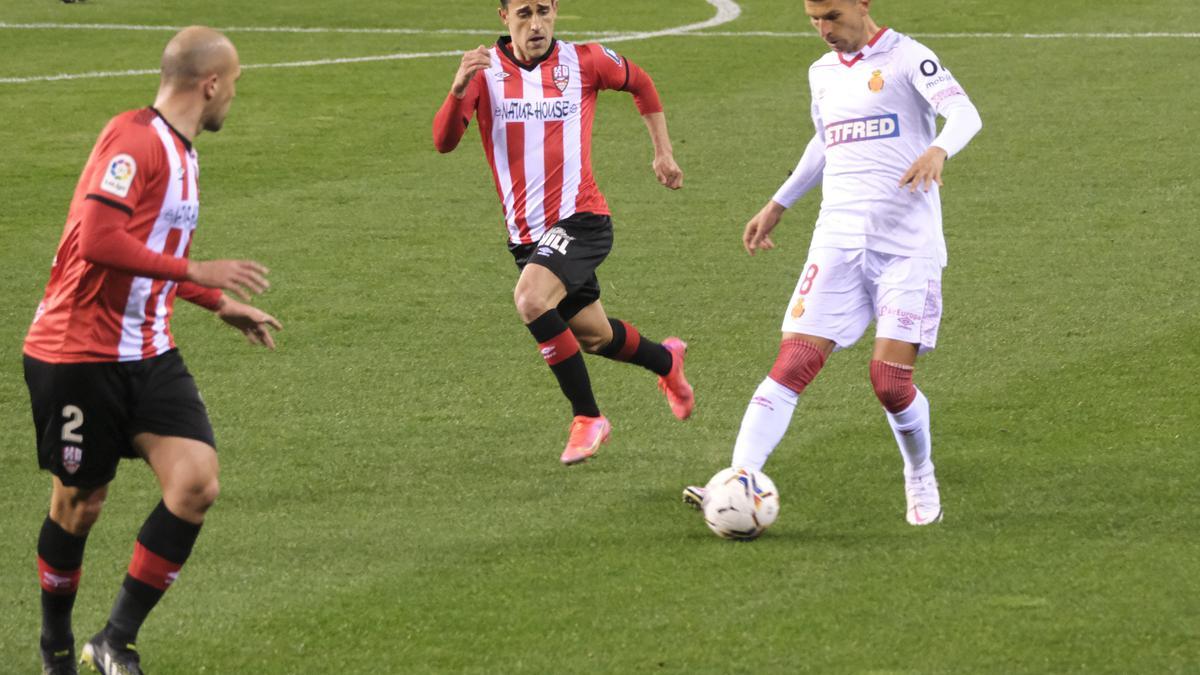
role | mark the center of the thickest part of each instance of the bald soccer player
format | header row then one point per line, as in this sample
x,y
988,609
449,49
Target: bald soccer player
x,y
105,379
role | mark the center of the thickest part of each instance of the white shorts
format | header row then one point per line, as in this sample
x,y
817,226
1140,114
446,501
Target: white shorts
x,y
841,290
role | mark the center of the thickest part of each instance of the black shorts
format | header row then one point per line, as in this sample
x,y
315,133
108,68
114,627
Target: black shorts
x,y
573,248
86,414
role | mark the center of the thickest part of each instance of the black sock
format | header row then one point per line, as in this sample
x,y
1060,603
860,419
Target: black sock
x,y
163,546
629,346
60,561
561,351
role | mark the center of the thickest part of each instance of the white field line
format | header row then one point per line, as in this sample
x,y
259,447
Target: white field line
x,y
276,29
982,36
727,10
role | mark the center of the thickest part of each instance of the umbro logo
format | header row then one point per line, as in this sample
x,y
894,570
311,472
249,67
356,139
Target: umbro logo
x,y
501,76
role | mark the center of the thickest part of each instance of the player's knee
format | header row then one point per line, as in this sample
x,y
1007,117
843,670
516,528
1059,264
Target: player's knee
x,y
893,385
207,494
797,364
192,498
78,512
529,305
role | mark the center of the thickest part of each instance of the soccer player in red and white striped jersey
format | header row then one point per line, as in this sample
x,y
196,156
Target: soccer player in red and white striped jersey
x,y
104,376
534,98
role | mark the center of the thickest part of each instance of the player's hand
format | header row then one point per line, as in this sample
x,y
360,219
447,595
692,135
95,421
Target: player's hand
x,y
252,321
668,172
241,277
926,171
758,231
472,62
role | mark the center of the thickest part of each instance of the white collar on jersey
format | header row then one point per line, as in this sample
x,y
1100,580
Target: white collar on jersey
x,y
882,40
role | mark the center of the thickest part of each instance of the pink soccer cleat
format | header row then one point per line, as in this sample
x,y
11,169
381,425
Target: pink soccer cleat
x,y
587,435
674,384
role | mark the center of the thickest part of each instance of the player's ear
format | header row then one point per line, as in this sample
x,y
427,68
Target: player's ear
x,y
209,85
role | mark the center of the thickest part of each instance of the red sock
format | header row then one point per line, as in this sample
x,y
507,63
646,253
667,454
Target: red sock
x,y
893,385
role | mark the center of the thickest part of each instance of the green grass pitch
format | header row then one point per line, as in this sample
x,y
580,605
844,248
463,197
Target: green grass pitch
x,y
392,500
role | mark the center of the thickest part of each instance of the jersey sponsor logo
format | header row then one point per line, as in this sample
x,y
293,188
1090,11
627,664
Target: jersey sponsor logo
x,y
119,176
520,110
72,458
876,83
904,318
183,216
940,79
556,240
929,68
864,129
616,58
562,77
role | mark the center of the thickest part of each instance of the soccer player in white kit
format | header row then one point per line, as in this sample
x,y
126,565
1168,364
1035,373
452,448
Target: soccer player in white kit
x,y
877,251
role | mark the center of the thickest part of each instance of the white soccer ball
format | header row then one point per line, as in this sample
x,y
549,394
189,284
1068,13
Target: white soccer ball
x,y
740,503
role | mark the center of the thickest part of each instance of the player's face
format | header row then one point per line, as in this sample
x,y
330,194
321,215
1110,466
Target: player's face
x,y
222,97
531,25
840,23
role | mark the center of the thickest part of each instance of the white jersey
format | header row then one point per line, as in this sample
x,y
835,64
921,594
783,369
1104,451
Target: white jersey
x,y
876,114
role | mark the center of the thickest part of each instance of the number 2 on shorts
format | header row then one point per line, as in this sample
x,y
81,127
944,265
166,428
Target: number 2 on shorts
x,y
74,420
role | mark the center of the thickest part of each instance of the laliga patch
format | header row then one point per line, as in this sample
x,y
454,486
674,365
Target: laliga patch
x,y
612,55
119,176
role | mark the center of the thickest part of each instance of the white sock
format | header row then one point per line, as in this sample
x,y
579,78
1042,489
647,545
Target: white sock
x,y
766,420
911,429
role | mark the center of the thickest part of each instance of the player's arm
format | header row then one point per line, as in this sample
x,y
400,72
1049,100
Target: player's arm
x,y
132,162
613,71
251,321
806,176
105,241
948,99
450,123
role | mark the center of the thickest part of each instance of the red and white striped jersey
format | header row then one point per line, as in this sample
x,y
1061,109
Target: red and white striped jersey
x,y
536,123
144,168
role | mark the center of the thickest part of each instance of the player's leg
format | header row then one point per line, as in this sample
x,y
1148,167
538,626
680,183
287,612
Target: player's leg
x,y
78,412
830,309
908,305
171,431
537,296
187,471
620,341
73,512
800,357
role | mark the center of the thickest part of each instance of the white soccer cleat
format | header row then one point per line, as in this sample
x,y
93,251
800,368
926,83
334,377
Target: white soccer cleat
x,y
693,496
924,501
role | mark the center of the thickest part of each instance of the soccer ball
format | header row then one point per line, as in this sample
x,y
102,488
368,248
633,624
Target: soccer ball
x,y
740,503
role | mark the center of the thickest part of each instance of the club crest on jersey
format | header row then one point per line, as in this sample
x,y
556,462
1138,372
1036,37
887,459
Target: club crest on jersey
x,y
119,176
612,55
562,77
72,458
798,308
876,83
864,129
